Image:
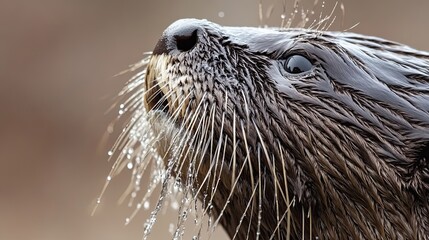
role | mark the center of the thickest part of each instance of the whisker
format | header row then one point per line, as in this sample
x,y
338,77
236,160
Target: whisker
x,y
141,64
245,210
287,191
258,225
276,197
231,193
281,220
190,183
234,151
330,16
208,143
191,125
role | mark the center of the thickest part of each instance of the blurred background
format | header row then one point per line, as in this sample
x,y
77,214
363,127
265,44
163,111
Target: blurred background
x,y
57,62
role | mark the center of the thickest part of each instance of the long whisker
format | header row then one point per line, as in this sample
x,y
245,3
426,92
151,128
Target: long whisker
x,y
287,191
203,126
191,125
234,144
245,210
281,220
146,196
230,194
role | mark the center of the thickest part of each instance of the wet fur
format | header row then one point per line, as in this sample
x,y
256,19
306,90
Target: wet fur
x,y
339,152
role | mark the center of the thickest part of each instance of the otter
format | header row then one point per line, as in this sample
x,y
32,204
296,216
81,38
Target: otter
x,y
285,133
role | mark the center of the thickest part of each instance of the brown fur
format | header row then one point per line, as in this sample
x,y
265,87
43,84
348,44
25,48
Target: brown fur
x,y
338,152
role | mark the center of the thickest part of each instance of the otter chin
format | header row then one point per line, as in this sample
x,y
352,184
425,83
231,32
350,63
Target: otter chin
x,y
288,133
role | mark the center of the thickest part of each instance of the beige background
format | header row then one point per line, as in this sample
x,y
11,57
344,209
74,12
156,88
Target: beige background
x,y
57,59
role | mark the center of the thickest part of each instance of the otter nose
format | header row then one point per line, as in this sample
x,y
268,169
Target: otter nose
x,y
181,36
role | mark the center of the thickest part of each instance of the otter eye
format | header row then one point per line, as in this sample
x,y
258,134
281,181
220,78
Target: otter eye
x,y
297,64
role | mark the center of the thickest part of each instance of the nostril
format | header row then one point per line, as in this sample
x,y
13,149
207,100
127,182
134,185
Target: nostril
x,y
186,42
181,36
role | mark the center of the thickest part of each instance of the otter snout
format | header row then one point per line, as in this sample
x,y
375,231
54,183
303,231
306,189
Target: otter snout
x,y
181,36
178,39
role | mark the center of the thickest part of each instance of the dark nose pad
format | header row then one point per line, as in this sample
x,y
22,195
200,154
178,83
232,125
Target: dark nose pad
x,y
180,36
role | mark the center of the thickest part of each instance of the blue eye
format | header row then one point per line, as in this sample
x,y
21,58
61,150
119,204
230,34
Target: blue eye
x,y
296,64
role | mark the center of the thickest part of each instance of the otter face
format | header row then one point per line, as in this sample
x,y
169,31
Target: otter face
x,y
290,133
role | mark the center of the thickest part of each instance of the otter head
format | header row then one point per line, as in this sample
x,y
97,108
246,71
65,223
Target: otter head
x,y
290,133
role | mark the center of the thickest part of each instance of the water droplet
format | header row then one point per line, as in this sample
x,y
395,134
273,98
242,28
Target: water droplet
x,y
146,205
130,165
109,178
110,153
121,112
121,106
175,205
127,221
110,129
98,200
221,14
171,228
283,16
